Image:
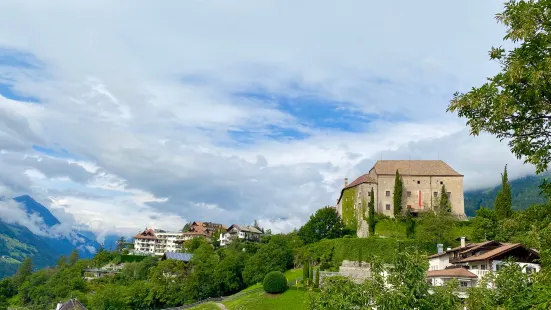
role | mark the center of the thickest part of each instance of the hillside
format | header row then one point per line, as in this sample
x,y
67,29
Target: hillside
x,y
526,192
18,242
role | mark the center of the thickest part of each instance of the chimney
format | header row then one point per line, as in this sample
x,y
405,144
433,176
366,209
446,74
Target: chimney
x,y
59,305
345,182
462,242
440,248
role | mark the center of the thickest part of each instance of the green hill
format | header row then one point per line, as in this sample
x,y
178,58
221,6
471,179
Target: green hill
x,y
526,192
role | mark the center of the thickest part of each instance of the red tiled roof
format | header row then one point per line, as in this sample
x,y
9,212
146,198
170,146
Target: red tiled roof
x,y
452,273
480,245
366,178
146,234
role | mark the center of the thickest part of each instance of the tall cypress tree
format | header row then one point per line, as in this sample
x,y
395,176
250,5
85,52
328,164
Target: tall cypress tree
x,y
371,218
445,205
398,187
504,200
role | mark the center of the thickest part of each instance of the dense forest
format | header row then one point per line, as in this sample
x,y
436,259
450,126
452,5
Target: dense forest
x,y
526,192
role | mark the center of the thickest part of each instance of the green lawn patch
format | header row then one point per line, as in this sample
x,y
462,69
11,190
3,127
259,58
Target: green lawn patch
x,y
293,274
206,306
290,300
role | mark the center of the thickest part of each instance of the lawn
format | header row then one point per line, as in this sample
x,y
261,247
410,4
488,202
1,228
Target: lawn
x,y
290,300
293,274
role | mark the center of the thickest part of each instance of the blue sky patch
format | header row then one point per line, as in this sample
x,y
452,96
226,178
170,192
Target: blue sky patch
x,y
14,59
57,152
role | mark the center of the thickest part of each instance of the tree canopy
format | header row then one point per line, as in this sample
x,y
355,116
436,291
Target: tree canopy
x,y
325,223
397,198
504,200
515,104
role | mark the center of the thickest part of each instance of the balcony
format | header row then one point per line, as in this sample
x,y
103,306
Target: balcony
x,y
479,272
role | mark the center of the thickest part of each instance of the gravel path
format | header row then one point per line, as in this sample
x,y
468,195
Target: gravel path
x,y
221,306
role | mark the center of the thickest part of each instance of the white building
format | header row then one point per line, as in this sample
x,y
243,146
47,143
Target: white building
x,y
469,263
157,242
245,233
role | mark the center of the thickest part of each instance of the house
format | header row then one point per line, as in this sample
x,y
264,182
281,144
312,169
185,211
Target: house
x,y
470,262
422,185
206,229
184,257
157,242
245,233
71,304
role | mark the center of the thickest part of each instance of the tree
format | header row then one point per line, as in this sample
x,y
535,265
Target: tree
x,y
485,224
276,255
515,103
397,198
203,263
436,228
317,281
187,227
25,270
305,270
73,257
120,244
325,223
61,261
504,199
371,220
410,224
444,205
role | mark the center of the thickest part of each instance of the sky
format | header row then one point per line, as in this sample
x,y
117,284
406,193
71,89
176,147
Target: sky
x,y
121,115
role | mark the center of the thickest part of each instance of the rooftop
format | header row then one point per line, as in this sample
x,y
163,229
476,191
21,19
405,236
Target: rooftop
x,y
414,167
452,273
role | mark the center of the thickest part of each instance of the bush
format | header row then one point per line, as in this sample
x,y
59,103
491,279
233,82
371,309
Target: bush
x,y
275,282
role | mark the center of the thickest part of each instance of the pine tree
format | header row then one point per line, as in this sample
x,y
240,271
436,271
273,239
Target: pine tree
x,y
73,257
311,275
305,271
317,282
62,262
371,218
410,225
444,206
398,187
504,199
25,270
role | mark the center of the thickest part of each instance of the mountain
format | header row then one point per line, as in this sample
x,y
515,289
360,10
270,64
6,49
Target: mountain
x,y
18,242
526,192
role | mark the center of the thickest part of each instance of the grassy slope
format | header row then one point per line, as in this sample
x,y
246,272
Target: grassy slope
x,y
290,300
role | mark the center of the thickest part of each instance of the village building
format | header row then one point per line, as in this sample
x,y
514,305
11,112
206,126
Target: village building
x,y
470,262
157,242
245,233
422,185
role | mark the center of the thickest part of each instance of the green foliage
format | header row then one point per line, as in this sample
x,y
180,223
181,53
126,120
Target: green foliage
x,y
102,258
372,221
325,223
228,272
305,270
410,224
397,195
276,255
204,263
437,228
485,225
187,227
504,199
191,245
526,192
24,271
73,257
444,205
349,217
275,282
317,281
514,104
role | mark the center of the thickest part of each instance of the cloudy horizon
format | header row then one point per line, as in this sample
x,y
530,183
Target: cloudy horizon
x,y
124,115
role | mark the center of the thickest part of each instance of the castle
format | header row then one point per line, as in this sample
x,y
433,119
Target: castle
x,y
422,183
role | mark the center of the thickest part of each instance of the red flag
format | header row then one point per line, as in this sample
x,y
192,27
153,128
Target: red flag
x,y
419,198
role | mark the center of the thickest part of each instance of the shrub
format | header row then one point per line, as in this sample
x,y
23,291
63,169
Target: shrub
x,y
275,282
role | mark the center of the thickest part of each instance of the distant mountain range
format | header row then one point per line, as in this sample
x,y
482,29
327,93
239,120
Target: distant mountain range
x,y
18,242
526,192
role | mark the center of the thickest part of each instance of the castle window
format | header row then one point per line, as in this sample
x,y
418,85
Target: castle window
x,y
441,182
409,194
435,194
388,207
418,182
388,193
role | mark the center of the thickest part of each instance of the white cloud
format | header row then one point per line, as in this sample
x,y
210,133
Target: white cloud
x,y
151,101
